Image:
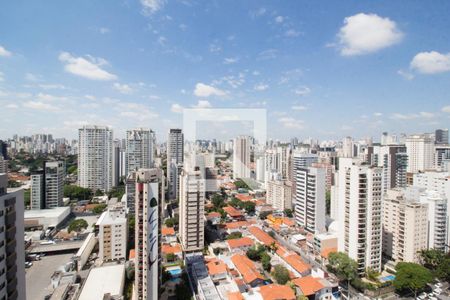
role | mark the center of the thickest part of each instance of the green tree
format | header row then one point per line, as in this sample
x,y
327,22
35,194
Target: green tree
x,y
328,202
218,201
234,235
77,225
99,209
431,258
76,192
98,193
343,266
280,274
241,184
411,277
171,257
288,212
235,202
263,215
14,184
170,222
27,196
248,206
265,261
255,253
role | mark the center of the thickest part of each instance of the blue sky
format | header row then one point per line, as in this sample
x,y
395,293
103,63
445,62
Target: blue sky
x,y
321,69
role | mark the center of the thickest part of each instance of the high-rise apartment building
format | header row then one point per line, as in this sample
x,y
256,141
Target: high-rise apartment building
x,y
139,149
148,204
279,194
12,252
359,213
404,226
130,191
394,160
54,173
175,158
116,160
47,186
112,234
192,206
437,219
95,157
241,157
441,136
309,203
420,151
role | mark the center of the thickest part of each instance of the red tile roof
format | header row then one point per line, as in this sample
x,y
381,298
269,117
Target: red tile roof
x,y
276,292
262,236
239,224
239,243
232,212
167,231
166,249
235,296
308,285
246,268
216,267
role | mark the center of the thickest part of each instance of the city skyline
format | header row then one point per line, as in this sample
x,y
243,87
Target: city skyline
x,y
136,64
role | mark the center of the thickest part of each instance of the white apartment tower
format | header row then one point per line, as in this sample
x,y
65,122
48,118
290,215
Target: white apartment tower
x,y
12,250
309,204
420,151
175,157
95,157
279,194
149,199
359,213
139,149
112,234
54,173
404,226
437,219
37,191
241,157
192,206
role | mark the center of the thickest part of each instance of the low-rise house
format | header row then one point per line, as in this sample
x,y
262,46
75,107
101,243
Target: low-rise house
x,y
262,236
294,262
234,213
217,270
313,288
214,217
168,235
276,292
240,245
247,269
174,249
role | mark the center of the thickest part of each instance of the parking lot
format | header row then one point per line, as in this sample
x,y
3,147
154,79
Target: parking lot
x,y
38,275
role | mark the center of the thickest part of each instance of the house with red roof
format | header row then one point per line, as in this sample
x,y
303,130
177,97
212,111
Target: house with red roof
x,y
276,292
240,245
247,269
313,288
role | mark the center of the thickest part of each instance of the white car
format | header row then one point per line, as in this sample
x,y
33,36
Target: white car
x,y
438,284
422,296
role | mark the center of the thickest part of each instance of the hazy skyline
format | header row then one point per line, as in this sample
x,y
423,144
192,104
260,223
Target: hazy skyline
x,y
321,69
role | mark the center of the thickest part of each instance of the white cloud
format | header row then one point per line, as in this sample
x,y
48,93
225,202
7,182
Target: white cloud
x,y
431,62
4,52
204,90
32,77
291,33
346,127
406,75
12,106
50,98
182,27
230,60
302,91
104,30
176,108
52,86
90,97
214,48
377,114
202,104
88,67
123,88
413,116
279,19
258,13
291,123
261,87
152,6
446,109
2,77
38,105
267,54
367,33
298,107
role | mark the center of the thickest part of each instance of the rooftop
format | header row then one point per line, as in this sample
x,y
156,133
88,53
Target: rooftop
x,y
242,242
103,280
308,285
246,268
262,236
276,292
